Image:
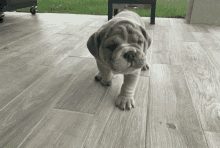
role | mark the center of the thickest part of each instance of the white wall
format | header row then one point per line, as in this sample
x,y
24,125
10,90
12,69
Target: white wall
x,y
203,12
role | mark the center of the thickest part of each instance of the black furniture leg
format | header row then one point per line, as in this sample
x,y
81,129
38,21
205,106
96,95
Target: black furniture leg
x,y
1,13
109,10
115,11
152,17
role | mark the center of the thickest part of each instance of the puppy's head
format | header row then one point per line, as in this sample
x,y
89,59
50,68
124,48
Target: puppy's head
x,y
122,46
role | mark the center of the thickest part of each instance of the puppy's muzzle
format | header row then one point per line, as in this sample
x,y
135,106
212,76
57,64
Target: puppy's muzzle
x,y
128,57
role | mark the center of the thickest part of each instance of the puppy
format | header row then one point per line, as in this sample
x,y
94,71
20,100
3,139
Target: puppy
x,y
120,47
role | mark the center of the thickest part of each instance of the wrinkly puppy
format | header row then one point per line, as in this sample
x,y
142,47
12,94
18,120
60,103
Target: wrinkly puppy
x,y
120,47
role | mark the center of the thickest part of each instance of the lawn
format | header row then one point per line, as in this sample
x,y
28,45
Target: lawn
x,y
100,7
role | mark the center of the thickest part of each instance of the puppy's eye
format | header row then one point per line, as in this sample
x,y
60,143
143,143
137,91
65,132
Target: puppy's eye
x,y
140,42
111,47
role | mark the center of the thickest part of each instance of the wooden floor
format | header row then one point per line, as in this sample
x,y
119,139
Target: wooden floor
x,y
48,96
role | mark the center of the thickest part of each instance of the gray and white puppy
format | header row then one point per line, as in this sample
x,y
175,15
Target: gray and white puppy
x,y
120,47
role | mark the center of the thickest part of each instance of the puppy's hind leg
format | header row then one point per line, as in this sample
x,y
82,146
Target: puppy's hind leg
x,y
105,75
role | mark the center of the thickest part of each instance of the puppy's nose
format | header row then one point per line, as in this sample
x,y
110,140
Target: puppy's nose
x,y
130,55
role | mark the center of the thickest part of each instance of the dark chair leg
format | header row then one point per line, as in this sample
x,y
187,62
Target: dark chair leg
x,y
109,10
115,11
152,17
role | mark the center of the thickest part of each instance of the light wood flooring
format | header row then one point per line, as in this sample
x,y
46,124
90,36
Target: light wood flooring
x,y
49,99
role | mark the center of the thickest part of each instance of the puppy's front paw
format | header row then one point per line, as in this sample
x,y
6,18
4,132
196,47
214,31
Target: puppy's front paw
x,y
98,78
145,67
123,102
106,83
103,82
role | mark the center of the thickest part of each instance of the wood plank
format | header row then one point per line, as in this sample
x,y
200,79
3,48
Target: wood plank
x,y
206,39
38,37
30,24
211,46
21,26
184,26
14,84
214,30
160,21
31,52
59,51
128,128
106,109
76,29
67,18
18,17
21,22
181,34
213,139
60,128
98,22
173,54
165,50
160,46
160,32
213,54
12,18
203,81
5,54
73,45
23,29
161,58
20,45
174,21
81,50
104,113
172,121
26,110
85,95
196,28
12,36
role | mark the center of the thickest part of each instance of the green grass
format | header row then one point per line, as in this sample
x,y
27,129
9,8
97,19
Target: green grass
x,y
100,7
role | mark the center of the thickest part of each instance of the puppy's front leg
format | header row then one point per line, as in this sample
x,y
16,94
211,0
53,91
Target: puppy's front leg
x,y
105,75
126,96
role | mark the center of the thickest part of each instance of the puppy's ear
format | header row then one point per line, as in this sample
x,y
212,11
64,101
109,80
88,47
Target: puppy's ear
x,y
147,38
91,45
94,42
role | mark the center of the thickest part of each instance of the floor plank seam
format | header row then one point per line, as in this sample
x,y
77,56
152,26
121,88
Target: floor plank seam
x,y
101,133
2,60
25,64
73,111
144,76
31,34
32,130
82,57
209,58
216,37
45,54
148,113
65,33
